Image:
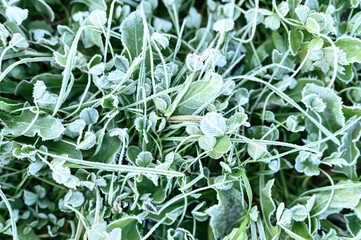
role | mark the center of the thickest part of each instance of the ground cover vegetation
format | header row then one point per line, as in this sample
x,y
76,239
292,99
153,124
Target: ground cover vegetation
x,y
232,119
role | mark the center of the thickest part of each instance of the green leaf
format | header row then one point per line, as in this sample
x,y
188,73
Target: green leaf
x,y
302,13
109,149
236,121
307,163
98,232
296,92
94,4
223,25
62,147
326,58
194,62
26,151
349,150
97,69
214,154
25,88
292,124
121,63
24,234
161,40
62,175
346,197
295,39
256,151
121,223
223,144
300,213
226,214
347,75
285,218
179,233
75,128
88,141
278,41
353,224
98,18
130,231
74,199
132,30
207,142
268,207
352,47
198,212
96,59
312,4
213,124
312,25
16,14
315,44
42,97
301,229
18,41
43,7
160,104
283,8
45,126
9,105
335,159
331,117
30,198
200,94
259,132
116,234
350,111
144,158
91,37
132,153
354,3
162,24
89,115
194,19
272,22
358,210
353,25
